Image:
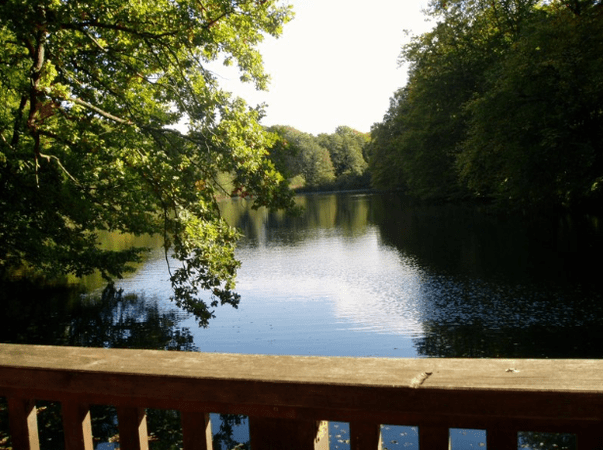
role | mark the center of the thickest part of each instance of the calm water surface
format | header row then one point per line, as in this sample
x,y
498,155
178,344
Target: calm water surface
x,y
364,275
361,275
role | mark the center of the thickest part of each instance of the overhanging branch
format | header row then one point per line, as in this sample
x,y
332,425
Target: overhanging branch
x,y
101,111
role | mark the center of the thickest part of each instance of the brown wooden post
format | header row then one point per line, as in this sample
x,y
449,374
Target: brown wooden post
x,y
196,431
434,438
321,436
132,424
277,434
501,439
23,422
590,438
365,436
77,426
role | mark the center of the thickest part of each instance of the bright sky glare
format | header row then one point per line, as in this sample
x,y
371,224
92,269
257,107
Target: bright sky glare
x,y
336,63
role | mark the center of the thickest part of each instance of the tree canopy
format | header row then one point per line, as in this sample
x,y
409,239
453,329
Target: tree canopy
x,y
304,161
324,162
504,102
111,119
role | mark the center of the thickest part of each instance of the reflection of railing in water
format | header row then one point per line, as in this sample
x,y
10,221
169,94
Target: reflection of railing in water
x,y
288,398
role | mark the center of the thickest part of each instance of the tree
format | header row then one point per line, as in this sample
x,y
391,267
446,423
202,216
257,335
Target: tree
x,y
346,148
284,153
93,97
427,118
385,160
549,151
300,154
504,102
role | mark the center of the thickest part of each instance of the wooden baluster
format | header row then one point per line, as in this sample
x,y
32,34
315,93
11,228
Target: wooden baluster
x,y
590,438
277,434
434,438
23,422
501,439
132,424
77,426
321,435
365,436
196,431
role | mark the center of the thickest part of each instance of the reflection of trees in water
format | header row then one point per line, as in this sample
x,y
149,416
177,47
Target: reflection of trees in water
x,y
223,439
130,321
504,320
537,341
64,316
547,441
497,285
471,241
349,213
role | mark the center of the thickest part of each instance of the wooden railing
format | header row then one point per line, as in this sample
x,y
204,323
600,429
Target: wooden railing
x,y
289,398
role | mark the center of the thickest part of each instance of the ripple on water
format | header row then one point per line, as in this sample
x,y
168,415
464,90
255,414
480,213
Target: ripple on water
x,y
344,289
370,287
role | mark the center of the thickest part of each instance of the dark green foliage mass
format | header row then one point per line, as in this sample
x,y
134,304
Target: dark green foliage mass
x,y
536,135
504,102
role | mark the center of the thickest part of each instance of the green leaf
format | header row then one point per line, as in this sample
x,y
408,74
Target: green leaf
x,y
91,95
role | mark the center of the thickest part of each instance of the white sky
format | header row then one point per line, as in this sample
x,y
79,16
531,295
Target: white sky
x,y
336,63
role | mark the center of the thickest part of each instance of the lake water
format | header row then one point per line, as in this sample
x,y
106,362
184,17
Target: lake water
x,y
363,275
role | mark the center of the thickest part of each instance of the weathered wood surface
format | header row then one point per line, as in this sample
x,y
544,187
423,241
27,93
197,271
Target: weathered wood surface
x,y
547,394
434,438
133,433
567,375
22,416
279,434
77,426
196,431
365,436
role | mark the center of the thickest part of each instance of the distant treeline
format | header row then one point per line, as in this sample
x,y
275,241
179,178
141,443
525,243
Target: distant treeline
x,y
504,102
325,162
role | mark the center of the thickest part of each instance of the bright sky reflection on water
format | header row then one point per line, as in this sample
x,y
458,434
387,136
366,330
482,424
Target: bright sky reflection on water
x,y
329,294
369,286
348,280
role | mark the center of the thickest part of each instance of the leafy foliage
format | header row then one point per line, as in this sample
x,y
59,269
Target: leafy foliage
x,y
550,150
346,147
504,102
94,95
327,161
385,160
301,155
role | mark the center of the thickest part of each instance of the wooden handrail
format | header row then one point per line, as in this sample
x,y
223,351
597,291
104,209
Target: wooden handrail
x,y
287,398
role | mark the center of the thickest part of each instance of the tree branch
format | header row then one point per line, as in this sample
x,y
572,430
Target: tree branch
x,y
18,119
103,113
95,23
60,164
